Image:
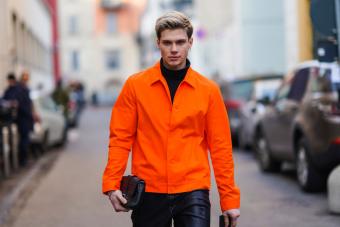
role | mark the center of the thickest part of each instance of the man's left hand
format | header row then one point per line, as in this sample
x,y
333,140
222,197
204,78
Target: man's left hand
x,y
231,215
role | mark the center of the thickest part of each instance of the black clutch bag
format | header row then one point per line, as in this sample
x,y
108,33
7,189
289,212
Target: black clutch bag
x,y
132,189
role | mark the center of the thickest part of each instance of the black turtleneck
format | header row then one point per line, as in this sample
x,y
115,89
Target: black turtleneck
x,y
174,77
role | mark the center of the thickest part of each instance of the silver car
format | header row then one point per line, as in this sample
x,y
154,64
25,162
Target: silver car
x,y
51,129
263,91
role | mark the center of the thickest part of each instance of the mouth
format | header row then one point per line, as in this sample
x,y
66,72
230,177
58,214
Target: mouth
x,y
174,58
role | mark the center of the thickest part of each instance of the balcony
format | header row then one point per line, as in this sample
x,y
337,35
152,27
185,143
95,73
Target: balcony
x,y
111,4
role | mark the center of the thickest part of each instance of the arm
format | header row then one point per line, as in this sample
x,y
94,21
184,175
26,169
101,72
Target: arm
x,y
220,146
122,134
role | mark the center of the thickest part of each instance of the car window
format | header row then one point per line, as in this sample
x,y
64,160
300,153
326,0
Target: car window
x,y
242,90
299,84
283,91
48,104
266,88
323,80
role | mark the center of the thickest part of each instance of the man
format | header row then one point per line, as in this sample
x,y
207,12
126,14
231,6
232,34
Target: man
x,y
19,93
171,116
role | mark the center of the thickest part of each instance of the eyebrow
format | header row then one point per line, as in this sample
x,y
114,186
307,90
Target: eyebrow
x,y
177,40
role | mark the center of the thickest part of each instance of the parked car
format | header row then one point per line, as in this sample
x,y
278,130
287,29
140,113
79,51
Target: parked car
x,y
106,97
236,94
263,91
51,128
302,125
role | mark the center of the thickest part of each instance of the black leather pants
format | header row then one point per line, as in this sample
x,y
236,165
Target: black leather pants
x,y
189,209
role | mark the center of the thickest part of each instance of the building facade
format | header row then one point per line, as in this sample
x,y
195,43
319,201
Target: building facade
x,y
298,32
98,41
26,32
244,39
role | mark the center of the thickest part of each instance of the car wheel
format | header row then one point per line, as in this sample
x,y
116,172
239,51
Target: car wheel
x,y
63,139
264,157
309,178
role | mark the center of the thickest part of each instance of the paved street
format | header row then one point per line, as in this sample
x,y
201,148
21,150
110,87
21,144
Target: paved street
x,y
70,194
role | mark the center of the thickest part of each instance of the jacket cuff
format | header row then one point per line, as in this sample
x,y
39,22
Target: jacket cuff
x,y
228,204
109,187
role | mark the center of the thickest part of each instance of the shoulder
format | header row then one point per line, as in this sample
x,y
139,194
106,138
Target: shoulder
x,y
205,82
141,75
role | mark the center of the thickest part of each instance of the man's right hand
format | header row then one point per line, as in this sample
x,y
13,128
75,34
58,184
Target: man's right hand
x,y
117,201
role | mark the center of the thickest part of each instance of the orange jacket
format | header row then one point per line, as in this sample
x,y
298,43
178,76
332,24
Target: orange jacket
x,y
170,142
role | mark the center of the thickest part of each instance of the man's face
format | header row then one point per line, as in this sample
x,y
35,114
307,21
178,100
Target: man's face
x,y
174,46
11,82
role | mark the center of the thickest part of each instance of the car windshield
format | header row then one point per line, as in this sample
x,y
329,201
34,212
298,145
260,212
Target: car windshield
x,y
266,88
242,90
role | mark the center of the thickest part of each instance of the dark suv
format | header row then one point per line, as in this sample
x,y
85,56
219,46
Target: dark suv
x,y
302,125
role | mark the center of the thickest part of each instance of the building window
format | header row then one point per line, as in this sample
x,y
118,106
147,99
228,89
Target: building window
x,y
111,23
75,60
112,59
73,25
15,38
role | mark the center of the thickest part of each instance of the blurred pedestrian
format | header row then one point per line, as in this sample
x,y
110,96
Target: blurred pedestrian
x,y
80,98
170,116
77,97
94,98
12,93
19,93
61,97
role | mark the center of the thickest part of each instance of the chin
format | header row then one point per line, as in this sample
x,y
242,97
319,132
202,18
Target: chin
x,y
174,64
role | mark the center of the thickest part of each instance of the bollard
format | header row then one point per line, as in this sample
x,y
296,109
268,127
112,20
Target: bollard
x,y
14,146
334,190
6,150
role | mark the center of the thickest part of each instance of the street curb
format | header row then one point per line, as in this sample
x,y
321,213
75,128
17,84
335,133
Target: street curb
x,y
16,199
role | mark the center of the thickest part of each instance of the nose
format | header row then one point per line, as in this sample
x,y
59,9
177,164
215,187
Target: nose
x,y
173,48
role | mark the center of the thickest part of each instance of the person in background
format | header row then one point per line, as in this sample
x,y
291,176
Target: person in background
x,y
171,116
19,93
12,92
80,94
61,97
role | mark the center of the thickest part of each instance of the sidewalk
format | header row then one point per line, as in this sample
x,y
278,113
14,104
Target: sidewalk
x,y
15,190
70,194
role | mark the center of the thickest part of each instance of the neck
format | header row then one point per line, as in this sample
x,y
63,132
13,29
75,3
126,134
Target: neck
x,y
175,68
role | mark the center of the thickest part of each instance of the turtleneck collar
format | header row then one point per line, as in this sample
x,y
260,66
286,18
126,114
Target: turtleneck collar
x,y
178,74
174,77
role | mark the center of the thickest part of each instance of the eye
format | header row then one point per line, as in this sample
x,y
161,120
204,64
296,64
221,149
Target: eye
x,y
166,43
181,42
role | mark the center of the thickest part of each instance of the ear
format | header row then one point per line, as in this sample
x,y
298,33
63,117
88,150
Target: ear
x,y
191,40
158,43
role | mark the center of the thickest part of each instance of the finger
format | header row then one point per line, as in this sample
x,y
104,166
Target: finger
x,y
118,206
121,199
233,222
226,221
117,203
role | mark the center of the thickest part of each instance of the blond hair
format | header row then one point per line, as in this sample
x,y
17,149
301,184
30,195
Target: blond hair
x,y
173,20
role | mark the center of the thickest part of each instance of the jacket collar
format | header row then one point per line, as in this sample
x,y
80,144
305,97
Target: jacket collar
x,y
156,75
